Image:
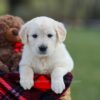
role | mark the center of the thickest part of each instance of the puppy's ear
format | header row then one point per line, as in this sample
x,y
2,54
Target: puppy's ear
x,y
61,31
23,34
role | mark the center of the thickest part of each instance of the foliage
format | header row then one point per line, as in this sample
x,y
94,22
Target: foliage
x,y
61,9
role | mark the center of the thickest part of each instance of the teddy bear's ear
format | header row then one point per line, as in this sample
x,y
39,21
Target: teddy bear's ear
x,y
20,20
23,34
61,31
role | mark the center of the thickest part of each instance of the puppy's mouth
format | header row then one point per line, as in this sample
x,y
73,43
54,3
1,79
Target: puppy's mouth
x,y
42,53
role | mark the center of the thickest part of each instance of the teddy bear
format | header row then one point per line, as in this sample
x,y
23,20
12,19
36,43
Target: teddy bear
x,y
10,42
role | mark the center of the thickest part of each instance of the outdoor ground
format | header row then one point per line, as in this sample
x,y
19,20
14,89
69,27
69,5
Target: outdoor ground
x,y
84,46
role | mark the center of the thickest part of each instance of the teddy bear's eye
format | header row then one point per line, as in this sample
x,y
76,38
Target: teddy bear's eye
x,y
50,35
34,35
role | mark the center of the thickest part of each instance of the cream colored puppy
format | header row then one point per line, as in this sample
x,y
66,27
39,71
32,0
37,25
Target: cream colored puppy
x,y
44,52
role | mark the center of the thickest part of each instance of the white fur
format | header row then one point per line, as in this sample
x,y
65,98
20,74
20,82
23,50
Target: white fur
x,y
56,62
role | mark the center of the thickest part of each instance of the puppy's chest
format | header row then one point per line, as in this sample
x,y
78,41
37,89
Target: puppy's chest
x,y
42,66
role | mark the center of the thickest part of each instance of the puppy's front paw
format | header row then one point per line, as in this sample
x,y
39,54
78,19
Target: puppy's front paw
x,y
26,83
58,85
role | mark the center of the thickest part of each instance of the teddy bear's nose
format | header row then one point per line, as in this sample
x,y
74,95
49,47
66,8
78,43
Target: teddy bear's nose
x,y
43,48
15,32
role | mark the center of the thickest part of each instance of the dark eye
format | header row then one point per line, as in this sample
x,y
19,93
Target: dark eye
x,y
34,35
50,35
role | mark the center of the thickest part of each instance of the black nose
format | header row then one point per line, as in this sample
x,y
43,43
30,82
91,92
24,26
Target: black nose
x,y
43,48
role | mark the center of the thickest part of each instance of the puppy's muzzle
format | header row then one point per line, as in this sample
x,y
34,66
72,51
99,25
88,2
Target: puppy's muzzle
x,y
42,49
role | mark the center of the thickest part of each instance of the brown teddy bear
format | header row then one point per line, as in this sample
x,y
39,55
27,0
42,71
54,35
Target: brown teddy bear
x,y
10,42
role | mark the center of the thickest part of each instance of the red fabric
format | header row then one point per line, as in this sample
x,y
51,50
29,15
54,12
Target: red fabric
x,y
42,83
6,88
18,47
10,88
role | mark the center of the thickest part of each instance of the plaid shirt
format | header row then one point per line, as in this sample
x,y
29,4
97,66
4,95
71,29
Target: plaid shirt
x,y
10,89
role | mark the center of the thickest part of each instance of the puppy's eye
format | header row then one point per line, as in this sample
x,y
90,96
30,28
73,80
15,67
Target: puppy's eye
x,y
34,35
50,35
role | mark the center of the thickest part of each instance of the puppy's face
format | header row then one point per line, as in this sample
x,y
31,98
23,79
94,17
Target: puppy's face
x,y
42,40
42,35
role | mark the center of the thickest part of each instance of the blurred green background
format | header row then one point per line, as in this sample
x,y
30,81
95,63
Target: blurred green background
x,y
82,20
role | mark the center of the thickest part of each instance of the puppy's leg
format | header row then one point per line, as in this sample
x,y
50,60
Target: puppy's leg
x,y
26,77
57,80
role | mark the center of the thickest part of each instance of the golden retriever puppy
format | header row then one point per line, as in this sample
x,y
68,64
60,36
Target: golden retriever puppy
x,y
44,52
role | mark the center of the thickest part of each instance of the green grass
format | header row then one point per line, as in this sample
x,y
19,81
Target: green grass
x,y
84,46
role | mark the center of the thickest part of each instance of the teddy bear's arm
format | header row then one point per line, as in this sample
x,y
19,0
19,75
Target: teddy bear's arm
x,y
15,58
3,67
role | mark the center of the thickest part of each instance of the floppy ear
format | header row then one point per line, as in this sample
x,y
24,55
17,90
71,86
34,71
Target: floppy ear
x,y
61,31
23,34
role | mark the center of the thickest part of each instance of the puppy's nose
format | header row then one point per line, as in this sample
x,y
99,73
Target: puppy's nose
x,y
43,48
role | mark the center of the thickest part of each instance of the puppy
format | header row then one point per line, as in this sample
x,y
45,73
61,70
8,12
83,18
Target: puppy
x,y
44,52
